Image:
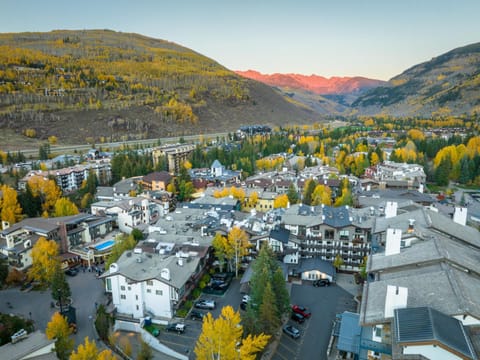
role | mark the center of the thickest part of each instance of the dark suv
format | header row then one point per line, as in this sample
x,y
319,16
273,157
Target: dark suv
x,y
298,318
196,315
321,282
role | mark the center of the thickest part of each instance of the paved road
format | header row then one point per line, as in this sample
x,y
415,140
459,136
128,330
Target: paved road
x,y
86,290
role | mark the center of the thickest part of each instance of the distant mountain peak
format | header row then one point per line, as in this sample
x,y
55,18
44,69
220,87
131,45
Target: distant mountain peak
x,y
315,83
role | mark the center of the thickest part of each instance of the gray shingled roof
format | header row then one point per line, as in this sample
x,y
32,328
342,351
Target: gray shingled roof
x,y
447,226
426,325
310,264
336,217
281,235
151,265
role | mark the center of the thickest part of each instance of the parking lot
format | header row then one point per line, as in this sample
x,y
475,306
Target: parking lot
x,y
86,291
185,343
324,303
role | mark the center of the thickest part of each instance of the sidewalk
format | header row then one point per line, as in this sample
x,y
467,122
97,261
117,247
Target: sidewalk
x,y
347,282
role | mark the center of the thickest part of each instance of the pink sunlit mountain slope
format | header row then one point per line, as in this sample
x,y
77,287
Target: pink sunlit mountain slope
x,y
315,83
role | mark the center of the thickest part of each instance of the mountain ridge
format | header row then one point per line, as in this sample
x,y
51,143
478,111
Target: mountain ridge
x,y
315,83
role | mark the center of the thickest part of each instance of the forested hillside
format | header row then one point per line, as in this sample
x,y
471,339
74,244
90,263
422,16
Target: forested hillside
x,y
100,85
448,84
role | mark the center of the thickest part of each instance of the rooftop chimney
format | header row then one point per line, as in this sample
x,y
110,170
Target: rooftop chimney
x,y
411,226
460,215
390,209
394,237
396,298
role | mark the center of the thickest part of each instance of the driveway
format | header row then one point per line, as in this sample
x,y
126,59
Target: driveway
x,y
86,290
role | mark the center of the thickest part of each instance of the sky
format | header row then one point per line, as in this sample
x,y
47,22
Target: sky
x,y
371,38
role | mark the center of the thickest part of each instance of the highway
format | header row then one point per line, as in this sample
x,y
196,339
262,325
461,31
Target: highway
x,y
70,149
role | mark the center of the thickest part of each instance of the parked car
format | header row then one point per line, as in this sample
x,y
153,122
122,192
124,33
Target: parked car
x,y
176,327
243,306
298,317
71,272
302,310
321,282
291,331
205,304
196,315
246,299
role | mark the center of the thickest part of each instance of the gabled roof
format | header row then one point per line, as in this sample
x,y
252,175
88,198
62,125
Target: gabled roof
x,y
216,164
157,176
280,234
426,325
310,264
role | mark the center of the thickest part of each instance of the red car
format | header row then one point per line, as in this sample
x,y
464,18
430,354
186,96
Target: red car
x,y
301,310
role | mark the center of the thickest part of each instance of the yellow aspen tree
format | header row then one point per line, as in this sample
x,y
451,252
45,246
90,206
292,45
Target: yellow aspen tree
x,y
47,190
238,246
64,207
220,338
281,201
86,351
10,208
322,195
59,330
253,199
45,260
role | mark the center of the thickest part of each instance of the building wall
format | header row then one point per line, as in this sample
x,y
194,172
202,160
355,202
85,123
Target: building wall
x,y
142,298
352,247
431,352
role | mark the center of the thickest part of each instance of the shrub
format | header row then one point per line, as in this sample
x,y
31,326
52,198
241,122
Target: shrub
x,y
196,293
182,313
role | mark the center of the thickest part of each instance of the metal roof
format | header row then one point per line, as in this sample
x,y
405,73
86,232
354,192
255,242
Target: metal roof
x,y
425,325
350,331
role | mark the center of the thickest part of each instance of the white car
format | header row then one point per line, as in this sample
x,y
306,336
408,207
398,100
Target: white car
x,y
205,304
246,299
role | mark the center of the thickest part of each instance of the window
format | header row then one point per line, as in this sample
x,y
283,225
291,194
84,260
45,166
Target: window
x,y
122,288
123,297
109,284
136,297
138,307
159,292
129,288
149,290
150,282
329,234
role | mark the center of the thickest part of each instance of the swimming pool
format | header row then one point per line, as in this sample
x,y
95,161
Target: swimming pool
x,y
105,245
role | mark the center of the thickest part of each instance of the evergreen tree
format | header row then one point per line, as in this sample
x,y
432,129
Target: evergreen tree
x,y
309,188
292,194
267,276
59,286
442,171
267,312
465,175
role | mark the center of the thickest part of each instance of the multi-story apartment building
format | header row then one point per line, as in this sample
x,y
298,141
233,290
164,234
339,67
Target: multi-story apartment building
x,y
175,155
327,232
154,279
71,178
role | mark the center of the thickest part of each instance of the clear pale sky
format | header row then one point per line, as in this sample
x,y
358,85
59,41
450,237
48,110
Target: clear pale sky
x,y
372,38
